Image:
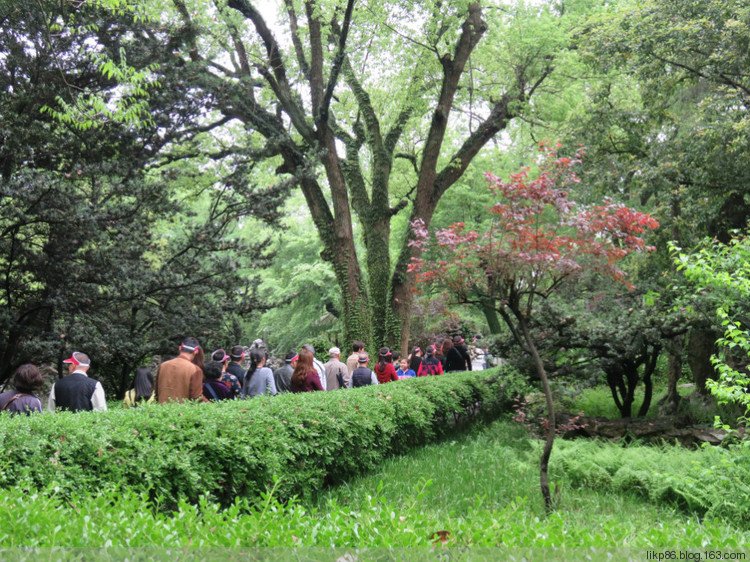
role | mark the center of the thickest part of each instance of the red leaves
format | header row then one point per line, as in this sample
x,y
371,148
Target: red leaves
x,y
538,237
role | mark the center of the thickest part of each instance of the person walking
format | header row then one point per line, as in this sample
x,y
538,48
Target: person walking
x,y
404,372
362,375
236,354
415,360
317,365
283,375
384,369
143,391
181,379
77,392
305,378
227,378
352,362
259,378
213,389
431,365
454,358
337,373
26,380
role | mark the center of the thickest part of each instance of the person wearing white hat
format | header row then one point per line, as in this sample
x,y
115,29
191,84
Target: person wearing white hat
x,y
77,392
337,374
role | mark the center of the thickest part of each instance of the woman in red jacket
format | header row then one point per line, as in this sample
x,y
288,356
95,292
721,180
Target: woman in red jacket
x,y
384,369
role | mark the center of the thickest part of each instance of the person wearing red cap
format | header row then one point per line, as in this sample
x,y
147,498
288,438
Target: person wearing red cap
x,y
77,392
180,379
384,369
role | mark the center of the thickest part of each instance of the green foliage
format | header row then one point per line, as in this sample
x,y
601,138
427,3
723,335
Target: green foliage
x,y
105,247
238,449
720,273
479,496
711,481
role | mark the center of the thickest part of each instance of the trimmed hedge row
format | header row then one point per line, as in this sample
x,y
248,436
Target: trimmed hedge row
x,y
293,444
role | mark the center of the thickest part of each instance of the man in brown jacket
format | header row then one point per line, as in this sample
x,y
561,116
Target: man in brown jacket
x,y
180,379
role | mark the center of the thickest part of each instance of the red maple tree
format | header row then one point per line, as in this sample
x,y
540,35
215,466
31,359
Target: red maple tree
x,y
538,238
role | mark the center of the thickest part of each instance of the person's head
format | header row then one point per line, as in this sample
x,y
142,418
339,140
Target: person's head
x,y
27,378
457,340
212,370
447,344
78,362
430,350
220,356
358,346
237,353
290,358
309,348
404,365
395,357
384,356
191,350
143,383
363,359
417,351
334,353
304,366
257,359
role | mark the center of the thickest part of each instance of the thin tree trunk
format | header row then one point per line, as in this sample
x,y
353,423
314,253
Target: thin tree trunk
x,y
550,440
669,403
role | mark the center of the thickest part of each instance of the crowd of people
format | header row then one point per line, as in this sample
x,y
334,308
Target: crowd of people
x,y
189,376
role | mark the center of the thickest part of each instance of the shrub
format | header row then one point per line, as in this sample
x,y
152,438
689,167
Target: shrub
x,y
236,449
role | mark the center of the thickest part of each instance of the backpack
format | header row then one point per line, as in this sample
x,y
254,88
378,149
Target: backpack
x,y
430,366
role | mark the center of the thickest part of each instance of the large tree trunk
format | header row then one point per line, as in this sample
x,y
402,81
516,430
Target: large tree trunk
x,y
493,322
701,345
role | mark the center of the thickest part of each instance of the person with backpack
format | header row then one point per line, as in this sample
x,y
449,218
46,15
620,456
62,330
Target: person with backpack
x,y
227,378
431,365
213,389
362,376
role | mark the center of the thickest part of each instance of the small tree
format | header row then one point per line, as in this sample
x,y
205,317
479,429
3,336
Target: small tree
x,y
538,239
720,273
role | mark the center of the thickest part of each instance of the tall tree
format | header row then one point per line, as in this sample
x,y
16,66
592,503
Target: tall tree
x,y
667,126
317,92
101,248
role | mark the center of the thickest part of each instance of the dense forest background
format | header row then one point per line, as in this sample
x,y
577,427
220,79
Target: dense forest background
x,y
234,170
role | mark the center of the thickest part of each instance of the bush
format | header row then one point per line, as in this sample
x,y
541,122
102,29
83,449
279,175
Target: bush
x,y
237,449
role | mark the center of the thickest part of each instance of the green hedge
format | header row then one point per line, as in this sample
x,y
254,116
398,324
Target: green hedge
x,y
293,443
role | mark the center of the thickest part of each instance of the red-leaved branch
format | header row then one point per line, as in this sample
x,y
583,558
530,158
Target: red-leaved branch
x,y
538,236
